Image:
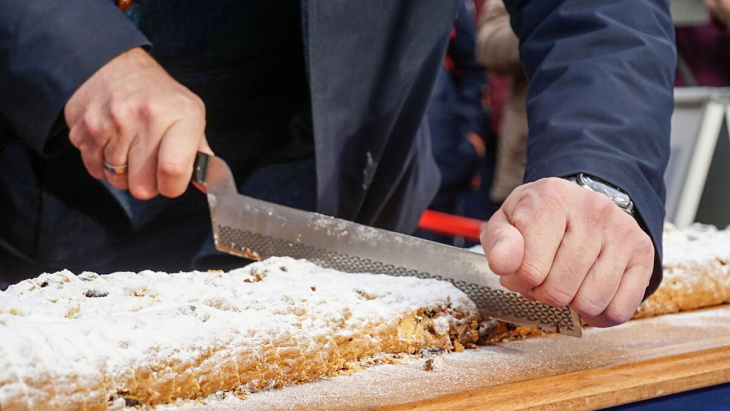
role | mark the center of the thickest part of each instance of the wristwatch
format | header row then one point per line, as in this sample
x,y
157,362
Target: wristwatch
x,y
615,194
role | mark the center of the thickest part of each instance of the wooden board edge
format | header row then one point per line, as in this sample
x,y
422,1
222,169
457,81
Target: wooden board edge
x,y
595,388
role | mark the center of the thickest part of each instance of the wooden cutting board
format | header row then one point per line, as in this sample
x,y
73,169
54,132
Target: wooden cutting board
x,y
638,360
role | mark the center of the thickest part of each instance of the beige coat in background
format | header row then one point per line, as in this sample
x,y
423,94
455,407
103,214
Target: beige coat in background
x,y
497,47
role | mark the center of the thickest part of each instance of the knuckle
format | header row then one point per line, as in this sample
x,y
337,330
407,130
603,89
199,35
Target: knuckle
x,y
190,103
75,137
115,157
94,125
199,104
646,247
172,169
532,210
551,185
531,275
588,307
554,296
120,114
149,109
546,196
552,190
142,192
171,192
117,181
521,218
617,315
598,208
518,191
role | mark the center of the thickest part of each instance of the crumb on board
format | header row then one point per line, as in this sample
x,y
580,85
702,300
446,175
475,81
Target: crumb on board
x,y
434,364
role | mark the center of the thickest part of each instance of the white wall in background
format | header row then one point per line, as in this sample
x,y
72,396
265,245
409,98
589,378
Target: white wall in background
x,y
697,121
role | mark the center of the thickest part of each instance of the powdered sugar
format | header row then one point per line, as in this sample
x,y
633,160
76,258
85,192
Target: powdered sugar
x,y
697,243
65,326
696,271
491,366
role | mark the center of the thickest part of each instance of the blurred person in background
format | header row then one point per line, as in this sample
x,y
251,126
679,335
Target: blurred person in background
x,y
456,119
497,49
704,49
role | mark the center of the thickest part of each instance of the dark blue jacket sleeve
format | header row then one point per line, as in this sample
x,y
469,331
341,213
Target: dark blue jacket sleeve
x,y
48,48
601,95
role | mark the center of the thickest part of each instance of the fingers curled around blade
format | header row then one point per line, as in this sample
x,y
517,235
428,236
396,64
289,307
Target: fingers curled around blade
x,y
176,157
630,285
573,261
540,216
89,135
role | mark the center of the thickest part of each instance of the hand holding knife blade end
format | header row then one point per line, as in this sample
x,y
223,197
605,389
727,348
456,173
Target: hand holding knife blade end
x,y
256,229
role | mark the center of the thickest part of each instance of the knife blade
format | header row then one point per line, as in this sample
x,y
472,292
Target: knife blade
x,y
255,229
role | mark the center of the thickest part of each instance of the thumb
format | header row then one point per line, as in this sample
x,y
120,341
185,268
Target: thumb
x,y
503,245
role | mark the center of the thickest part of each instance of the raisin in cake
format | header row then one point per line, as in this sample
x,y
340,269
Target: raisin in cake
x,y
97,342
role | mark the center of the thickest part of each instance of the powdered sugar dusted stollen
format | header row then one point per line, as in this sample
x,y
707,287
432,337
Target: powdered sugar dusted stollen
x,y
96,342
696,271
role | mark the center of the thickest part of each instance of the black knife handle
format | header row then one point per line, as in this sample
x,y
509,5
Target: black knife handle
x,y
200,167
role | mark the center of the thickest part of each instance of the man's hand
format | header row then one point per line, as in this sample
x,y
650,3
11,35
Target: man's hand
x,y
561,244
131,112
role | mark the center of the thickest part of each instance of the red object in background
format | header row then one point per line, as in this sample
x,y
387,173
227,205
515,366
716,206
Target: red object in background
x,y
453,225
124,5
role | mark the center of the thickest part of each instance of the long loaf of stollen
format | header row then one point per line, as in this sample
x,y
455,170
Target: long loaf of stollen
x,y
94,342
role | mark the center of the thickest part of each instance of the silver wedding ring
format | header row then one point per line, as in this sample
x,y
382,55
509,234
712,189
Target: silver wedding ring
x,y
112,169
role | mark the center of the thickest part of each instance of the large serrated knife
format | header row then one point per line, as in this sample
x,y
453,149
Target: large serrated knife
x,y
257,229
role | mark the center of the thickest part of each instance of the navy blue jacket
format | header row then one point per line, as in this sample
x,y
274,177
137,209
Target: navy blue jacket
x,y
601,101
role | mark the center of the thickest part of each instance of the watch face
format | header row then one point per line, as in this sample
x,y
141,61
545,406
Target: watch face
x,y
620,198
